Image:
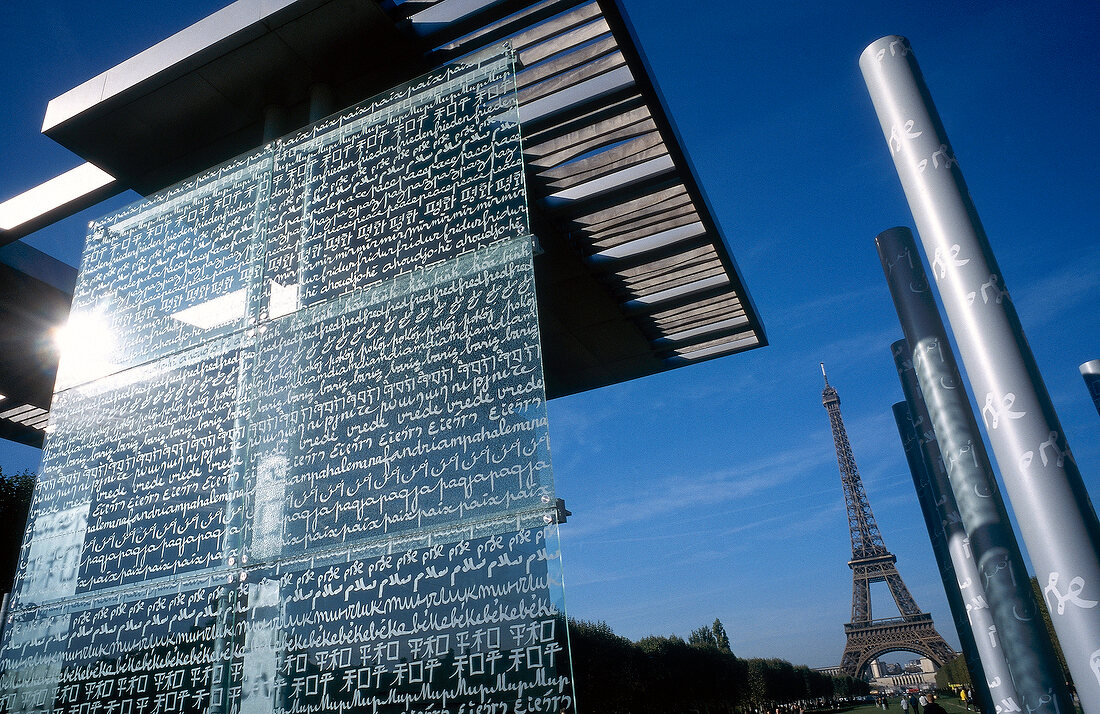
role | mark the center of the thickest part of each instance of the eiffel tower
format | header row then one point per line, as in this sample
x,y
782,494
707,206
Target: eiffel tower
x,y
871,562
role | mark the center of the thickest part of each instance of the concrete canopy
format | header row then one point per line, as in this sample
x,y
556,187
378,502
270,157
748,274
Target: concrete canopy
x,y
635,276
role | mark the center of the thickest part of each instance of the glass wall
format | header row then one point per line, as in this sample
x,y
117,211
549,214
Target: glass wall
x,y
298,455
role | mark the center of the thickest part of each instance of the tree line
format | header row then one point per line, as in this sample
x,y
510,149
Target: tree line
x,y
15,504
663,675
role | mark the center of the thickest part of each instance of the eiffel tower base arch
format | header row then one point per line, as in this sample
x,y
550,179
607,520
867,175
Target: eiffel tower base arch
x,y
870,640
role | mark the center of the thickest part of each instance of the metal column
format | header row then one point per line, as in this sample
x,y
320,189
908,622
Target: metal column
x,y
1055,514
1091,372
941,514
1018,627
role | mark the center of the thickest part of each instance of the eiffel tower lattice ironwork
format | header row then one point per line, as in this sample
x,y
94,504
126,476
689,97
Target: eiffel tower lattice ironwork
x,y
867,638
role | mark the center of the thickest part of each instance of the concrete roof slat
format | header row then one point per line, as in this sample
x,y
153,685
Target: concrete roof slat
x,y
564,42
71,189
569,75
660,230
445,12
14,412
577,143
720,349
649,300
610,158
536,133
667,279
728,336
701,312
669,329
624,210
683,258
647,223
556,25
684,336
632,174
495,27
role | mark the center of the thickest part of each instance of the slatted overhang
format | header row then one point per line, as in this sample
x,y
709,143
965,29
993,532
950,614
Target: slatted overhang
x,y
634,276
637,277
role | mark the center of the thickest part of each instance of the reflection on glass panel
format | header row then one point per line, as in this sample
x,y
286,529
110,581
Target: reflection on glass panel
x,y
139,477
298,458
417,404
166,273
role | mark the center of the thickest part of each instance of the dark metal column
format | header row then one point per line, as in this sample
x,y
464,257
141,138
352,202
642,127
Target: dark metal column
x,y
961,579
1091,372
1019,629
1056,516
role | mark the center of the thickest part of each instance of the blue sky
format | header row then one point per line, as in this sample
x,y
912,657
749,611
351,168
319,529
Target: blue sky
x,y
712,490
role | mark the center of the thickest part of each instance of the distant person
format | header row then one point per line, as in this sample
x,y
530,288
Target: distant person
x,y
965,701
913,704
904,704
923,701
930,706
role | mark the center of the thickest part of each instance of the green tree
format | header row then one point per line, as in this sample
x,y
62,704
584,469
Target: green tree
x,y
15,505
757,681
954,671
702,637
713,636
1042,603
846,686
658,675
607,676
721,639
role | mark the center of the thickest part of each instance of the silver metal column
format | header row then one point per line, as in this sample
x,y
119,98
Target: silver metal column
x,y
1055,514
910,440
941,514
1091,372
1018,627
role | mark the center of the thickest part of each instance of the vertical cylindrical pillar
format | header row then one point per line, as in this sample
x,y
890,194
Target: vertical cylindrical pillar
x,y
910,440
321,102
274,123
1018,627
1056,516
941,514
1091,372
